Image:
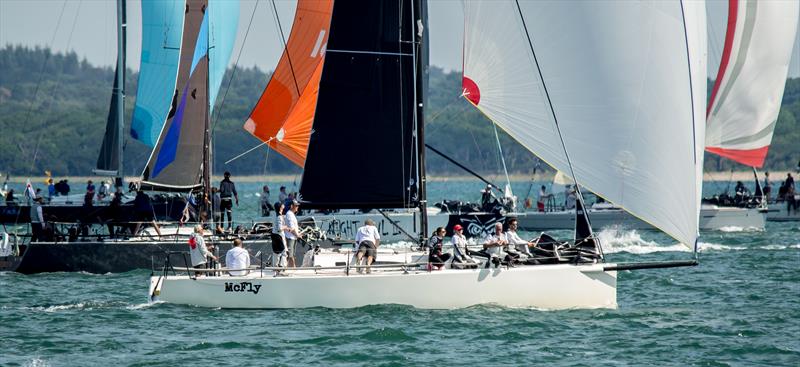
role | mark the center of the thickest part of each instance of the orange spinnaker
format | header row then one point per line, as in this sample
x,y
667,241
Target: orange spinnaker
x,y
284,115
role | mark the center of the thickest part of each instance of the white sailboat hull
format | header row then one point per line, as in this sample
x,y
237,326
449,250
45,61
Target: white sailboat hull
x,y
711,218
542,286
780,213
716,218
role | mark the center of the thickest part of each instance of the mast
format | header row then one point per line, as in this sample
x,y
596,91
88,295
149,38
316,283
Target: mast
x,y
120,91
419,18
206,195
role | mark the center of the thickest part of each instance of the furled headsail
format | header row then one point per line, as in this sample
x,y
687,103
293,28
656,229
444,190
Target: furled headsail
x,y
752,73
365,114
162,27
284,114
108,159
624,82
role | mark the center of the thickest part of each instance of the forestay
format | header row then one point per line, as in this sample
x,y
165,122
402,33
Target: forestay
x,y
625,82
749,86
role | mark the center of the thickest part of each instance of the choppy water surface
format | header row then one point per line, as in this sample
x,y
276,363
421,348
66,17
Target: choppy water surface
x,y
741,306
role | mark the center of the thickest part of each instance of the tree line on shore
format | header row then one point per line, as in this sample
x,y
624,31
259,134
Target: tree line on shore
x,y
53,108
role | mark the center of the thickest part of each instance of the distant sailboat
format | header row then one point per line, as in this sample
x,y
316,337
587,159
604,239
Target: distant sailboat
x,y
372,62
748,90
179,161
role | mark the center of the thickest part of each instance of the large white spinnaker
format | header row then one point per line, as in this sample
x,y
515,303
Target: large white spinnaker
x,y
748,91
620,79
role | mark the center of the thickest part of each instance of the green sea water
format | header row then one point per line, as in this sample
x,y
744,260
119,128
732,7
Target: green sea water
x,y
740,307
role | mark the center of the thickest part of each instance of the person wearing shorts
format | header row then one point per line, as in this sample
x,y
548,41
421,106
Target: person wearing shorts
x,y
368,239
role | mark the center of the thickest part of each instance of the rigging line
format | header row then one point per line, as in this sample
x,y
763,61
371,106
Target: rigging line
x,y
249,150
283,39
55,87
443,110
404,184
44,64
502,158
372,52
235,68
555,119
266,163
691,90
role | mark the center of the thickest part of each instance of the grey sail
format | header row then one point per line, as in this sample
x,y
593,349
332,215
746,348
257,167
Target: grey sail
x,y
176,163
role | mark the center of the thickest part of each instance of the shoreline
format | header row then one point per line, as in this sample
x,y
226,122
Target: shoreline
x,y
744,176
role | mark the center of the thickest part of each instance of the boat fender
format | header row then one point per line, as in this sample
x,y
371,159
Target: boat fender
x,y
5,248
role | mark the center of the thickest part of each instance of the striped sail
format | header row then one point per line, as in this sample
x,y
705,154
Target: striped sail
x,y
162,27
176,162
752,73
284,114
623,81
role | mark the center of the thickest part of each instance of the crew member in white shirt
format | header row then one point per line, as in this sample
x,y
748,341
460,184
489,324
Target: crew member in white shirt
x,y
237,259
493,245
515,243
292,232
367,239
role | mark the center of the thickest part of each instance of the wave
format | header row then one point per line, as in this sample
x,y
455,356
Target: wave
x,y
37,362
615,240
730,229
704,247
80,306
142,305
66,307
630,241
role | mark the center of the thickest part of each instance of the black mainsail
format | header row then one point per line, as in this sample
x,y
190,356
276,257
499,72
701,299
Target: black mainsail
x,y
109,161
363,151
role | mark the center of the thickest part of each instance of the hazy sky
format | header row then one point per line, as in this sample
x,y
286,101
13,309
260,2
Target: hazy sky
x,y
88,28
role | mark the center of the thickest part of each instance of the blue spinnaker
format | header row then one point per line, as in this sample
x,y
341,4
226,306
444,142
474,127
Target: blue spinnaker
x,y
224,24
162,28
